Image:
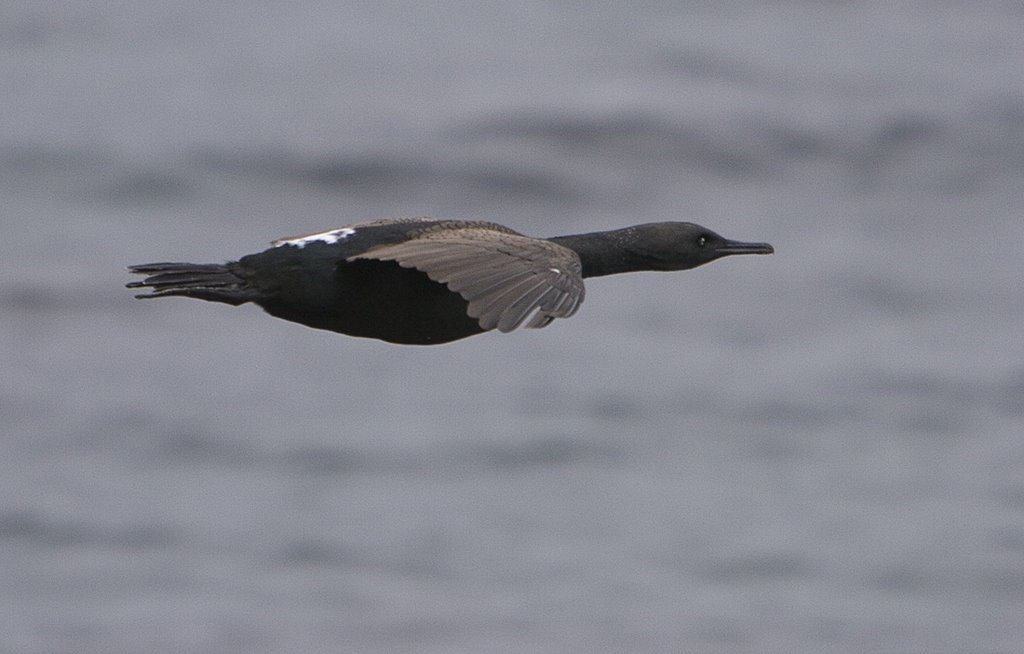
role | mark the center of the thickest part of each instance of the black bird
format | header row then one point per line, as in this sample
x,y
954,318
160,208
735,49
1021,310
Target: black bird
x,y
422,281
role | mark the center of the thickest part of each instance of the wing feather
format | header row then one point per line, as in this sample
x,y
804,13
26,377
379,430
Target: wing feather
x,y
500,309
505,278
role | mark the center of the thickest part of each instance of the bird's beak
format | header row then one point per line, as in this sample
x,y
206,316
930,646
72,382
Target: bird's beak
x,y
738,247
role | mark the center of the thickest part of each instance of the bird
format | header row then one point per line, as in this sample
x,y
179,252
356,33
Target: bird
x,y
426,281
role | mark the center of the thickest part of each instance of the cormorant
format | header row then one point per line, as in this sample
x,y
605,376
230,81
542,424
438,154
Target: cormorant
x,y
423,281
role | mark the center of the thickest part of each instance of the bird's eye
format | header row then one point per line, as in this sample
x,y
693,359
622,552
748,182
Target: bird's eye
x,y
702,241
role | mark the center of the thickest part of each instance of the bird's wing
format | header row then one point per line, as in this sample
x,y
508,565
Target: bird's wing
x,y
504,277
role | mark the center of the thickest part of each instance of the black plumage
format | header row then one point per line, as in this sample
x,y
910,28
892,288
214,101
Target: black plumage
x,y
423,281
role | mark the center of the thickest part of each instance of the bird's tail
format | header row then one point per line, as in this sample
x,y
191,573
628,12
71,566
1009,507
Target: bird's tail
x,y
206,281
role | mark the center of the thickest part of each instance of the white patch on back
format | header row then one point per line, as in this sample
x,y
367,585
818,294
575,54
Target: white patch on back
x,y
329,238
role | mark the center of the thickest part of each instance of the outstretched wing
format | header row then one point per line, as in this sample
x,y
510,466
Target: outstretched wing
x,y
505,277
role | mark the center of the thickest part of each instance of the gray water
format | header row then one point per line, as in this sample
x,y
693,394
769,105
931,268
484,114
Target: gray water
x,y
818,451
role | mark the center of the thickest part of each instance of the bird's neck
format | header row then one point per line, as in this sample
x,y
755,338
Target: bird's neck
x,y
604,253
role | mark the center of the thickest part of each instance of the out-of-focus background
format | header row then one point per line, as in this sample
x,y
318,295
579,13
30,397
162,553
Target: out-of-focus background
x,y
818,451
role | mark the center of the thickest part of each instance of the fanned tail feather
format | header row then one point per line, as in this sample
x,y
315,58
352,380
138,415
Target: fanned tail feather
x,y
206,281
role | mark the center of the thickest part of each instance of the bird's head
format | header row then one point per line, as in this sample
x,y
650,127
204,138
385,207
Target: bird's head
x,y
680,246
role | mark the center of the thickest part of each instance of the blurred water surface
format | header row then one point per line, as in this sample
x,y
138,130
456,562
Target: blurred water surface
x,y
816,451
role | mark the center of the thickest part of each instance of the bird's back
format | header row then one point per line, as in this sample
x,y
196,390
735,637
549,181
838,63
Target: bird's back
x,y
315,280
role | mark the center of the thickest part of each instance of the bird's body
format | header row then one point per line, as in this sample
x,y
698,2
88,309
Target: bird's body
x,y
423,281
